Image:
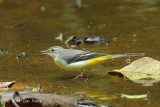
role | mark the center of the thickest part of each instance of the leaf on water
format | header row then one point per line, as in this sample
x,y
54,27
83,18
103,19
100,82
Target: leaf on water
x,y
107,98
60,37
146,69
134,96
6,84
35,90
100,96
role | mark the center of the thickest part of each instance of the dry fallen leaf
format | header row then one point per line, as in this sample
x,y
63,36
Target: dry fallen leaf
x,y
144,68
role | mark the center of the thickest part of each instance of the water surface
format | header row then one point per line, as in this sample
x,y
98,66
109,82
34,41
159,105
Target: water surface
x,y
134,23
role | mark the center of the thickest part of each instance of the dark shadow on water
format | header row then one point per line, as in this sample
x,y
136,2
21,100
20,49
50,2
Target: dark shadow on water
x,y
116,74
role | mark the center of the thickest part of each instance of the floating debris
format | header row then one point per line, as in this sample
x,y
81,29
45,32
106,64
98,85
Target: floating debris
x,y
87,103
6,51
74,40
60,37
21,55
3,51
96,40
134,96
69,40
88,40
6,84
14,26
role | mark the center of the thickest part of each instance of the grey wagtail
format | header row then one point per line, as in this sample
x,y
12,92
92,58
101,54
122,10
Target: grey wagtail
x,y
73,60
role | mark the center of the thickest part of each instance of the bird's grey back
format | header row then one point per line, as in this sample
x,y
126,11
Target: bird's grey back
x,y
66,54
72,55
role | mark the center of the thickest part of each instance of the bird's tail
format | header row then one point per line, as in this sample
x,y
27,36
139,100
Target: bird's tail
x,y
124,55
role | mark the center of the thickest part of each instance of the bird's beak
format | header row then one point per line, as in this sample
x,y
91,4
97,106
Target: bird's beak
x,y
44,52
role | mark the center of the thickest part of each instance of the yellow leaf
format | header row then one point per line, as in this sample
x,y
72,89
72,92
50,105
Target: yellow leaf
x,y
143,68
134,96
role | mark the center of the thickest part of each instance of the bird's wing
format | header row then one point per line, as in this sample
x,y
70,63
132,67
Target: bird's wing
x,y
85,55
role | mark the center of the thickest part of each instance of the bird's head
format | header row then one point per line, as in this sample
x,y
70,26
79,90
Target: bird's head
x,y
52,51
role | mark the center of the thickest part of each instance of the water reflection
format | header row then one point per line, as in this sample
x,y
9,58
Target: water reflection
x,y
44,20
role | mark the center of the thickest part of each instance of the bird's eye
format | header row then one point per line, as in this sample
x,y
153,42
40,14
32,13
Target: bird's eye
x,y
52,50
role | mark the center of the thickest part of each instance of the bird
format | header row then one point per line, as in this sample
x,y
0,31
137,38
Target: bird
x,y
76,60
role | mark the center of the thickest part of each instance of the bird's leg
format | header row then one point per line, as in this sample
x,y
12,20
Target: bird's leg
x,y
81,74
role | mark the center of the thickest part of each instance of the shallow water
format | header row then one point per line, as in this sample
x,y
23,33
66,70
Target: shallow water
x,y
133,23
